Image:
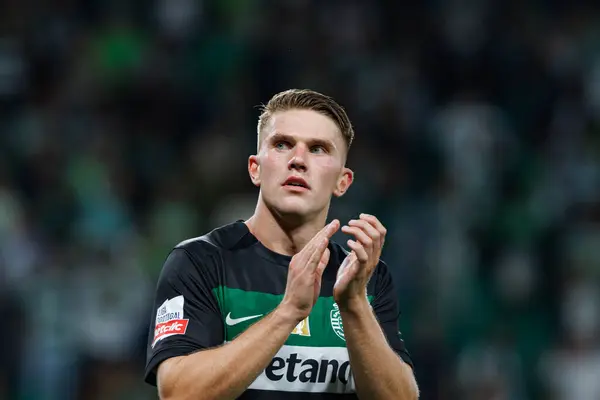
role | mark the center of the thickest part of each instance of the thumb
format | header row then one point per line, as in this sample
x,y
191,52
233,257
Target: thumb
x,y
345,264
323,262
344,271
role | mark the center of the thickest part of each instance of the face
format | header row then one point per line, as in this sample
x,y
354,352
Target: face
x,y
300,163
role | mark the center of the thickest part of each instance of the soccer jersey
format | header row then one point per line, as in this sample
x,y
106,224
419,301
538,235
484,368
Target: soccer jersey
x,y
212,288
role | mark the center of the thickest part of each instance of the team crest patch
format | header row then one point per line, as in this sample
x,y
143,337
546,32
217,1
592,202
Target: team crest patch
x,y
169,319
336,321
303,328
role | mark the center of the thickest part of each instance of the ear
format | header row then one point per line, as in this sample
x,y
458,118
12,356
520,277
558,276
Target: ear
x,y
344,182
254,170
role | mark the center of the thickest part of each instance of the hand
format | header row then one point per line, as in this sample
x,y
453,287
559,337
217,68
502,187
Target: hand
x,y
305,273
357,268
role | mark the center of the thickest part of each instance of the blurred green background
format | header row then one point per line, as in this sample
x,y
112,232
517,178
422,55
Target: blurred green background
x,y
125,128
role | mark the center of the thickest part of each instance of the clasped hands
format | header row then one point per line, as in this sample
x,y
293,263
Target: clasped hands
x,y
306,267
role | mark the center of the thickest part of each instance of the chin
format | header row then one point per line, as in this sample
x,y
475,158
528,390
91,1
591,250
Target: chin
x,y
293,208
288,208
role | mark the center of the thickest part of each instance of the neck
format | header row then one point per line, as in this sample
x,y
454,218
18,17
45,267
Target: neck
x,y
283,235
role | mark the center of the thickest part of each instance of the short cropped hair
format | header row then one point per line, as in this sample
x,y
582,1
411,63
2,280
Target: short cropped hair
x,y
306,99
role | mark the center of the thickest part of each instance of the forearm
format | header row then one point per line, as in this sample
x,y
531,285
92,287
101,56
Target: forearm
x,y
378,371
227,371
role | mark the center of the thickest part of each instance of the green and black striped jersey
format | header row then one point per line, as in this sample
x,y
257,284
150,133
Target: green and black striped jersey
x,y
214,287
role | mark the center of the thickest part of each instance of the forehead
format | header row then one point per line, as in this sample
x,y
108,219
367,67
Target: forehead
x,y
305,125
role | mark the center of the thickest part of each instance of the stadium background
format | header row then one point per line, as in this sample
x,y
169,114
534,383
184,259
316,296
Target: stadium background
x,y
126,125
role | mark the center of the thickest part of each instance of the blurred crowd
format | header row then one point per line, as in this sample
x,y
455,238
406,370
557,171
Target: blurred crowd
x,y
125,128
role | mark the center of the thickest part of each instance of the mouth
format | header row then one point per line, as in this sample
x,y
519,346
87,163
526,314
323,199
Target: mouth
x,y
296,183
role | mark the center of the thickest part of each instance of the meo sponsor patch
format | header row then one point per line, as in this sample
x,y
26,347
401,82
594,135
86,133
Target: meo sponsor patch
x,y
169,319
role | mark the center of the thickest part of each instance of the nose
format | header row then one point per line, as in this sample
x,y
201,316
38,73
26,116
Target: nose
x,y
297,162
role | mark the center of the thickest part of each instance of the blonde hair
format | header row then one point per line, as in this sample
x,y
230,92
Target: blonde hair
x,y
306,99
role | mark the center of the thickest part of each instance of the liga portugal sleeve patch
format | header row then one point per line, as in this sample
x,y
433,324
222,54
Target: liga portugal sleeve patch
x,y
169,319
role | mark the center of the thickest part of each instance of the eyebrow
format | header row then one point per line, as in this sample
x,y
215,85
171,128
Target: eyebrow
x,y
283,137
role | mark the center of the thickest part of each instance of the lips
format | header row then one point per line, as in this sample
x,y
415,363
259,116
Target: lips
x,y
296,181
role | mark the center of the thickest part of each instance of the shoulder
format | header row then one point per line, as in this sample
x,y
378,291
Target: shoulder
x,y
223,238
202,254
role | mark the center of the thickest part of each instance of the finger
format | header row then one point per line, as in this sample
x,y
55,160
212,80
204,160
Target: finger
x,y
331,228
375,223
315,257
360,235
369,229
308,250
326,232
366,226
324,261
320,268
360,251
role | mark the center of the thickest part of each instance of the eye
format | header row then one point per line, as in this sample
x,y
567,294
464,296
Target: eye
x,y
318,149
282,145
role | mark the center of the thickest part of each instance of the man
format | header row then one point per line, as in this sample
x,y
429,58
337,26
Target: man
x,y
269,308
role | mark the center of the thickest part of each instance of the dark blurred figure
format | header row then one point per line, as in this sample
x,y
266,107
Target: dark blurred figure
x,y
11,344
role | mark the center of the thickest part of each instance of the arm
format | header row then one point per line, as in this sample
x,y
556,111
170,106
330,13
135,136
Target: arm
x,y
372,337
226,372
378,371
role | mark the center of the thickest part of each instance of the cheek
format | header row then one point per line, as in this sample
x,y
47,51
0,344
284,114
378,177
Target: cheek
x,y
331,171
269,164
327,165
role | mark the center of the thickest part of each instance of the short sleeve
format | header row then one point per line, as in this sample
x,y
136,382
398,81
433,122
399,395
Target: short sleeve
x,y
386,308
186,316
